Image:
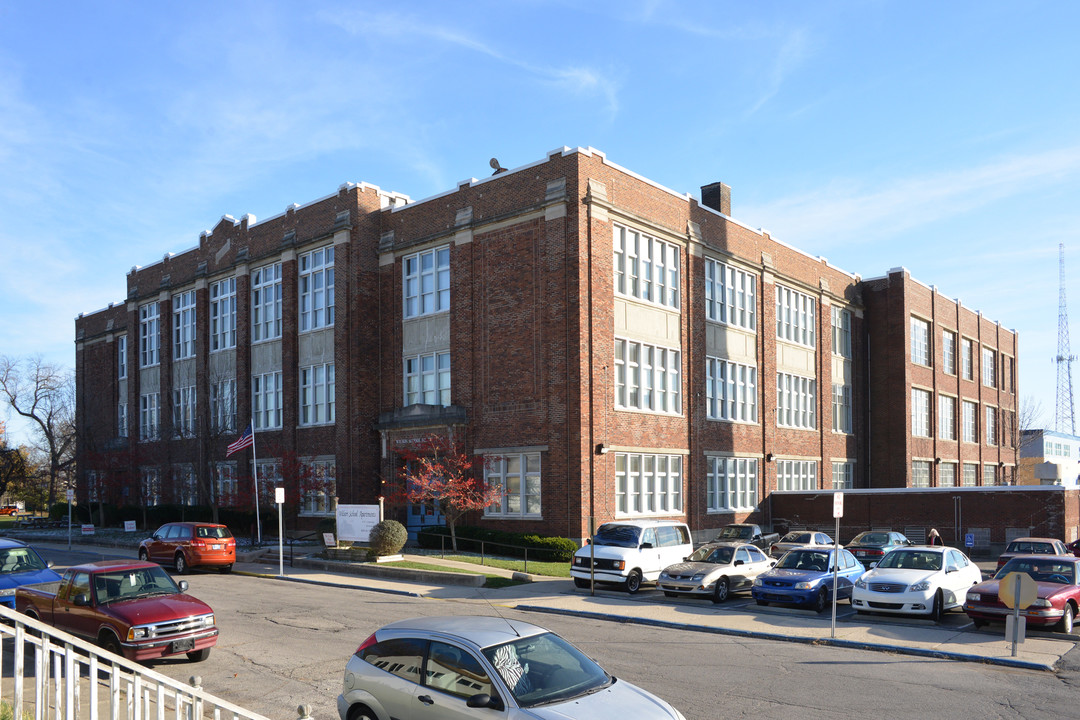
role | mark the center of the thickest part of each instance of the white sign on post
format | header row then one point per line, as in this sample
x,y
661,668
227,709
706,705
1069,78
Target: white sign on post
x,y
838,504
354,522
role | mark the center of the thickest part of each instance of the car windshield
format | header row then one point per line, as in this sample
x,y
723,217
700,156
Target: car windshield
x,y
1062,573
734,532
1030,548
114,585
18,560
544,669
798,537
212,532
618,535
815,560
911,560
718,555
871,538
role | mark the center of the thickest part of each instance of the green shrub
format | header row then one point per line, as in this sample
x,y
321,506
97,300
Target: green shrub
x,y
388,537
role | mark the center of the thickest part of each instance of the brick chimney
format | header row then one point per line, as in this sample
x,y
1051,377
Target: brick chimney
x,y
717,196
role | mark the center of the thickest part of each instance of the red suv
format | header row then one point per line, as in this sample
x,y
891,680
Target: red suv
x,y
191,544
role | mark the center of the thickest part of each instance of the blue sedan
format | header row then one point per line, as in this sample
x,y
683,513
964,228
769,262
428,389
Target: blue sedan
x,y
20,565
804,576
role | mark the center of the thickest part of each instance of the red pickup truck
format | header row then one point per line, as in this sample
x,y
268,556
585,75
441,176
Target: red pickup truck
x,y
128,607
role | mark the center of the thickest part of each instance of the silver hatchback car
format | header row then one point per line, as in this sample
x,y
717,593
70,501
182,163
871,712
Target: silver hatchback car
x,y
447,668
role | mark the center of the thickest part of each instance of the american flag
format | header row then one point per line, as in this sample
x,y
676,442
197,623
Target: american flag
x,y
246,439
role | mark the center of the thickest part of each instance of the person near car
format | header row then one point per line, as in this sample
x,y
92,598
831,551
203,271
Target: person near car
x,y
934,538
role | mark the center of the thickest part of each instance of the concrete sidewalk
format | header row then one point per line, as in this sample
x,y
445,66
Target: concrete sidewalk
x,y
954,639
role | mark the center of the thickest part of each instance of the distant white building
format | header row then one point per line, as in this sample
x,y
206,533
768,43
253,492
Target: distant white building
x,y
1048,457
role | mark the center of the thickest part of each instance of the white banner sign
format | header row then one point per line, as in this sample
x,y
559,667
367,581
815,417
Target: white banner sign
x,y
87,529
354,522
129,526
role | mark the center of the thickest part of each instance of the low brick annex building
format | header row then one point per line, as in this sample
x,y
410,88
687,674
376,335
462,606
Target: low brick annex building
x,y
616,348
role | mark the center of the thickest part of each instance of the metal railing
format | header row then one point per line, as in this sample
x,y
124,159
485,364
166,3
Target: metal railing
x,y
57,676
518,550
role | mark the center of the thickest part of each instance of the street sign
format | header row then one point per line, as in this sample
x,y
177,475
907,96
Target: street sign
x,y
1017,590
838,504
969,540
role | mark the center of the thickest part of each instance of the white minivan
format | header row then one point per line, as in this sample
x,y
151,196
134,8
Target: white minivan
x,y
629,552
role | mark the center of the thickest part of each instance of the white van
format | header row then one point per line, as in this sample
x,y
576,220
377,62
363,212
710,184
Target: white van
x,y
629,552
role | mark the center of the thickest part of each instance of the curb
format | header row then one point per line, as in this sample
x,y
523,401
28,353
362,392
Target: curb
x,y
323,583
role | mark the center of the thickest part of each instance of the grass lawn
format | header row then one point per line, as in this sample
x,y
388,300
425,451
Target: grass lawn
x,y
550,569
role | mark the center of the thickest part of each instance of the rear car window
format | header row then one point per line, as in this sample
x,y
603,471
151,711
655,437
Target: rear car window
x,y
212,532
400,656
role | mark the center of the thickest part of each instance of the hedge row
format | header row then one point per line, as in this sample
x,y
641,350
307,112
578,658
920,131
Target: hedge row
x,y
549,549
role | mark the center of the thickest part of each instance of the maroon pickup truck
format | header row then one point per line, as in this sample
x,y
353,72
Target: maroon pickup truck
x,y
128,607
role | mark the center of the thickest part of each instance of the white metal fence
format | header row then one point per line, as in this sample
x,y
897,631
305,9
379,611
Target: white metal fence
x,y
46,674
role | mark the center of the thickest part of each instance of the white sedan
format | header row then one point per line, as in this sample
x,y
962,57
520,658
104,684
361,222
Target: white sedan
x,y
922,580
715,570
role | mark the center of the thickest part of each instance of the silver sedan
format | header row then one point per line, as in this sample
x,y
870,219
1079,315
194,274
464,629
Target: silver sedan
x,y
715,570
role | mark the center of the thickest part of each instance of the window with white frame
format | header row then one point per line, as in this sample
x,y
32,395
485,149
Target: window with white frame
x,y
223,406
970,476
991,425
843,475
317,289
647,377
121,357
319,492
947,474
223,314
920,412
148,416
796,401
841,408
795,312
647,484
920,341
121,420
946,417
183,307
841,331
226,485
93,486
269,477
426,282
149,341
731,484
731,391
967,359
266,303
184,411
317,401
646,268
427,379
187,487
969,419
517,474
796,475
730,295
948,351
150,486
920,473
989,368
990,474
266,401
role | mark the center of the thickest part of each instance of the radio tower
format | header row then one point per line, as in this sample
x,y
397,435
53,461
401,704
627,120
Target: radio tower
x,y
1063,415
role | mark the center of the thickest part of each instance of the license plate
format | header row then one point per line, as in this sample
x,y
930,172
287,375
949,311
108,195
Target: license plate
x,y
215,547
179,646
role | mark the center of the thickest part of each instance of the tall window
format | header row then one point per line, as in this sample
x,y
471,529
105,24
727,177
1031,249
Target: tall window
x,y
967,359
920,412
648,484
948,351
150,486
187,489
647,377
223,406
121,357
184,411
969,419
223,314
841,331
266,401
317,289
947,474
731,484
795,312
989,368
317,402
946,417
646,268
731,390
148,416
920,341
269,477
796,475
970,477
226,485
730,295
920,473
183,325
121,420
990,474
426,282
427,379
319,496
518,476
841,408
843,475
148,335
991,426
796,401
266,303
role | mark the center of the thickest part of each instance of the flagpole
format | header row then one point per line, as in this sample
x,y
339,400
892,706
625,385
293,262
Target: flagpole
x,y
255,467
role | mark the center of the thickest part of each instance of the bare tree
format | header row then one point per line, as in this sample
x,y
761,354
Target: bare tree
x,y
44,394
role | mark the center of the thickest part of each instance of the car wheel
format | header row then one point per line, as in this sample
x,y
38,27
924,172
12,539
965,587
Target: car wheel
x,y
721,590
978,623
762,602
198,655
143,555
226,569
181,563
822,600
361,712
109,642
633,581
1066,624
581,582
938,607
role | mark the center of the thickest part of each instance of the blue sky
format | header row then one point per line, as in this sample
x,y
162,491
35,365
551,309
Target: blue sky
x,y
943,137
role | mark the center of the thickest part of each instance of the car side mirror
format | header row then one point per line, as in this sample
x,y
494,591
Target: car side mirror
x,y
82,600
49,563
738,563
588,541
646,546
873,565
951,569
183,586
483,700
772,563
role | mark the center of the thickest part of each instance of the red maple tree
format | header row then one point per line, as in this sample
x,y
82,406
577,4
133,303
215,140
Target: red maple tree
x,y
437,471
